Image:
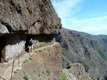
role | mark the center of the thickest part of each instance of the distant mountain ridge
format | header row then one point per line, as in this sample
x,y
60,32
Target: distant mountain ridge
x,y
89,50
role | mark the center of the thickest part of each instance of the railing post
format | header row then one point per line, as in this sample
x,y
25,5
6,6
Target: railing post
x,y
18,60
12,68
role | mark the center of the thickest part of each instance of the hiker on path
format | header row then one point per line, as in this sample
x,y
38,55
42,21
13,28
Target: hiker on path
x,y
29,44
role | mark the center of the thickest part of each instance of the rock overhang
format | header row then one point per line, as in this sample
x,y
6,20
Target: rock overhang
x,y
34,17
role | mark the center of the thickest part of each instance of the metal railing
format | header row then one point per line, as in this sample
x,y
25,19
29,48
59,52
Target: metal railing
x,y
15,58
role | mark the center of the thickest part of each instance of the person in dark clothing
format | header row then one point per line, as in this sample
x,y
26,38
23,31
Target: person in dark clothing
x,y
29,43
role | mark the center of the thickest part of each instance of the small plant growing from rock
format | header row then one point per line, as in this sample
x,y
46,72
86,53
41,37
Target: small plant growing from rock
x,y
26,60
39,50
15,71
49,79
63,77
49,72
26,77
30,58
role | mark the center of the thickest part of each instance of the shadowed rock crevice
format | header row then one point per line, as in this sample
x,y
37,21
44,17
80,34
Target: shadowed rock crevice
x,y
30,12
18,8
105,77
7,25
12,2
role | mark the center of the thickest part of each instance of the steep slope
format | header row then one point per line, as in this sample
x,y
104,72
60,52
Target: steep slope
x,y
44,63
89,50
20,22
76,72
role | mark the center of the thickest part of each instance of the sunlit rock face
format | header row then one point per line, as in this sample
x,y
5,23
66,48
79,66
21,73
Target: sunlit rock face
x,y
32,16
20,19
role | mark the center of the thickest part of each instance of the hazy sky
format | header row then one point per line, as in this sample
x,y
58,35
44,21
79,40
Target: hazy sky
x,y
83,15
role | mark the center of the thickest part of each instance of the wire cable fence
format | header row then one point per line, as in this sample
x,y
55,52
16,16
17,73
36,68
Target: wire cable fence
x,y
14,65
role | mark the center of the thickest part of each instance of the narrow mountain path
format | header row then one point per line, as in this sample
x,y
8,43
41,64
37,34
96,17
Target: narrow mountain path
x,y
16,63
66,59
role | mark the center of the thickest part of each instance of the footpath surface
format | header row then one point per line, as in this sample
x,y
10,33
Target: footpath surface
x,y
16,63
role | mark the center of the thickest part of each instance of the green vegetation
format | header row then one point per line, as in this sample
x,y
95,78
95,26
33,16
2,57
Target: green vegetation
x,y
100,49
1,4
27,60
15,71
60,24
63,77
30,58
49,79
42,45
39,50
26,76
64,51
39,6
49,72
16,1
35,77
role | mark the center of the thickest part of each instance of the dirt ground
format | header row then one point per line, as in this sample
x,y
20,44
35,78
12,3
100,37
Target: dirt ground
x,y
44,64
3,67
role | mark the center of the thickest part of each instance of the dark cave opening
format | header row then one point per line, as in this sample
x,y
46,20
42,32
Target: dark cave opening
x,y
2,49
105,77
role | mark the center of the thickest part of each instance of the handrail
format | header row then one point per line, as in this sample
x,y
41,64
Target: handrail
x,y
12,64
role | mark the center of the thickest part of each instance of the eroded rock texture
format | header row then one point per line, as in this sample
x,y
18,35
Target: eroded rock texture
x,y
31,16
20,19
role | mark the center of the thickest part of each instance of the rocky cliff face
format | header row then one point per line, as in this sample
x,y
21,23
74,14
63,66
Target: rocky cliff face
x,y
30,16
20,19
89,50
76,72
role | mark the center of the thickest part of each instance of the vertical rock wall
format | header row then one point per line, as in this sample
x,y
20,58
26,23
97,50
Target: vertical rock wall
x,y
32,16
14,50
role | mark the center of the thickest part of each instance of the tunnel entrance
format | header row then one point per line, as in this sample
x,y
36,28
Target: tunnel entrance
x,y
2,49
27,44
105,77
11,44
